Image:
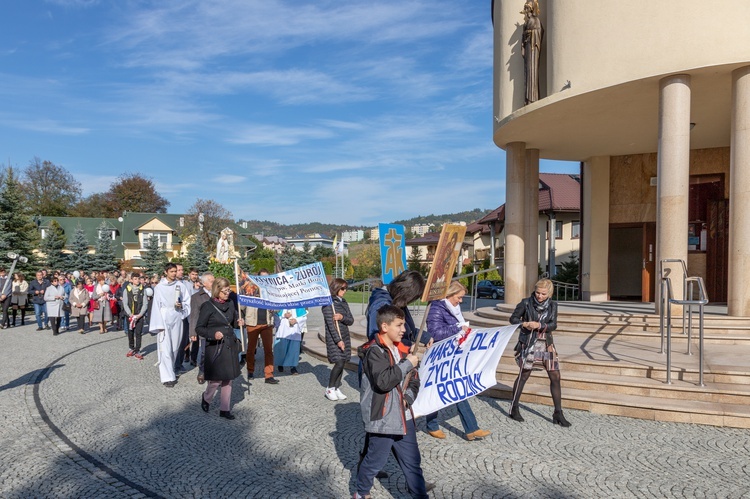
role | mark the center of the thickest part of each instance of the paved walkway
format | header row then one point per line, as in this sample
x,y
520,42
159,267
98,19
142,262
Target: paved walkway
x,y
81,420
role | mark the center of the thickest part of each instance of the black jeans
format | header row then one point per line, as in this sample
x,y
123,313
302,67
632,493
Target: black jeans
x,y
134,334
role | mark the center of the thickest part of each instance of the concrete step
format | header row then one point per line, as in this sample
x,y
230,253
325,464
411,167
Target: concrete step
x,y
710,335
635,406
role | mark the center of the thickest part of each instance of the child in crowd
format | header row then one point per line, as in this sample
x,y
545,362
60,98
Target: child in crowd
x,y
386,406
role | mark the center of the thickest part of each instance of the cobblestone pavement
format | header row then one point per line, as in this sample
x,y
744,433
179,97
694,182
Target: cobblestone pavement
x,y
82,420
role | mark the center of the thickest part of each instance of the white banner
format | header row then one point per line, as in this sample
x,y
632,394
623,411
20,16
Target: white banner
x,y
297,288
450,372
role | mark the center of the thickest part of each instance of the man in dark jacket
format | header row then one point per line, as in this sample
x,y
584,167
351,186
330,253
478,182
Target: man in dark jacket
x,y
386,406
37,288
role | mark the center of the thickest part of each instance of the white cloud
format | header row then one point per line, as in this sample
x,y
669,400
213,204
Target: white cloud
x,y
270,135
229,179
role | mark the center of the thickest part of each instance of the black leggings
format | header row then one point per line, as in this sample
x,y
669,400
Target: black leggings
x,y
55,323
23,315
337,372
554,387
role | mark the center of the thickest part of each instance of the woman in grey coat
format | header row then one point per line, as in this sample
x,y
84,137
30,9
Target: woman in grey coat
x,y
54,296
102,312
337,319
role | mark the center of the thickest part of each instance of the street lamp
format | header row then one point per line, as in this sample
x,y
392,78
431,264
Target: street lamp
x,y
16,258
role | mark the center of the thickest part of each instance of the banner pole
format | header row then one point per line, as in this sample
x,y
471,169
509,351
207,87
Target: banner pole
x,y
415,346
333,307
239,310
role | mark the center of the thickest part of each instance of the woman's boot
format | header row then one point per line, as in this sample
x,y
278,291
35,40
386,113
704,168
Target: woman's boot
x,y
559,418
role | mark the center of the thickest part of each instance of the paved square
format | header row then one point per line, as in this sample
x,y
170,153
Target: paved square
x,y
82,420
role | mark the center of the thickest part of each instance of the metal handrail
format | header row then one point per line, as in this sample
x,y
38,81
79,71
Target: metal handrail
x,y
473,301
575,288
684,278
666,311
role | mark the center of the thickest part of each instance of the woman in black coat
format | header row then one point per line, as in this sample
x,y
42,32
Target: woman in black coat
x,y
537,316
337,318
217,320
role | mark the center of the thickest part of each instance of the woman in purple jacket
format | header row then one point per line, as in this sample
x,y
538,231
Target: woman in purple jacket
x,y
443,321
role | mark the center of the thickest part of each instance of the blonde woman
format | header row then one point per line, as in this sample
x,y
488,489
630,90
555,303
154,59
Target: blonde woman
x,y
535,349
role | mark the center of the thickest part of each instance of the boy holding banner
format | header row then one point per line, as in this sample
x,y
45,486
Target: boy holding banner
x,y
386,406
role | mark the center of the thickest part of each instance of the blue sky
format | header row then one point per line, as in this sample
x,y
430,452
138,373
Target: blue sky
x,y
291,111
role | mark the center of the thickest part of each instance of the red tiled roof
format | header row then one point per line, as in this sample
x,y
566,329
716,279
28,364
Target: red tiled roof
x,y
562,192
557,192
428,238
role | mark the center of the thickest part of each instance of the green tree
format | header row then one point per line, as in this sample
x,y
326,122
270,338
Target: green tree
x,y
104,253
289,258
131,192
197,256
321,252
79,259
154,257
17,231
49,189
52,246
569,271
414,261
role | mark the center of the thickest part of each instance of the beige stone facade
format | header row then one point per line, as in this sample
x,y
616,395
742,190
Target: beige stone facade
x,y
653,98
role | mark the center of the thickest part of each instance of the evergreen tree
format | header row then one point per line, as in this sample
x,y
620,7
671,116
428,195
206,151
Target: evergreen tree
x,y
17,230
197,256
414,260
52,246
104,253
569,271
154,258
289,258
79,259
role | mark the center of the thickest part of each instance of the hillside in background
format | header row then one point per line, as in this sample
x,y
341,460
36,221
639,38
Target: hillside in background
x,y
276,229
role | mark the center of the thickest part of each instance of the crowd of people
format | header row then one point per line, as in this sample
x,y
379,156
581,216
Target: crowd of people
x,y
196,318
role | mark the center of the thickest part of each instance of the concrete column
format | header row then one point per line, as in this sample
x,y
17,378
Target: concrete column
x,y
515,220
595,230
531,257
738,296
673,178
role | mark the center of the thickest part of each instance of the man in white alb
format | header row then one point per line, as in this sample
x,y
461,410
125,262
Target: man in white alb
x,y
171,304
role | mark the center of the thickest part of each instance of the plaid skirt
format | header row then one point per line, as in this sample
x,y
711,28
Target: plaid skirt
x,y
538,356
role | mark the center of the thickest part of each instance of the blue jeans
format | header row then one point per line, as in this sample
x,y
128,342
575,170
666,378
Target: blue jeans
x,y
38,311
468,420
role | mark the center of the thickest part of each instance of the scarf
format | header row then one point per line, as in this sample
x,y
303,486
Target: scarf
x,y
454,310
542,308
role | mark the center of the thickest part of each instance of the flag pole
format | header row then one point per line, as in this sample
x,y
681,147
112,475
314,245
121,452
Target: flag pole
x,y
239,310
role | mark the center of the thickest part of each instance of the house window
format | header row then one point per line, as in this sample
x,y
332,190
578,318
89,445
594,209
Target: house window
x,y
44,233
575,229
162,236
558,230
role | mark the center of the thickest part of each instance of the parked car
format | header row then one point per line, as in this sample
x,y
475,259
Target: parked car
x,y
493,289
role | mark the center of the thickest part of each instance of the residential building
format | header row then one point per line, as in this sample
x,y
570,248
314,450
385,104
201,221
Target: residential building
x,y
352,236
314,240
559,206
130,233
274,243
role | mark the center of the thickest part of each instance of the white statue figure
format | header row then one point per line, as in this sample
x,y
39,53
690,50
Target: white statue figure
x,y
225,246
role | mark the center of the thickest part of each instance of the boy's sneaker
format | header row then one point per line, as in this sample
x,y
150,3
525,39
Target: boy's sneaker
x,y
138,355
130,353
340,395
331,394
